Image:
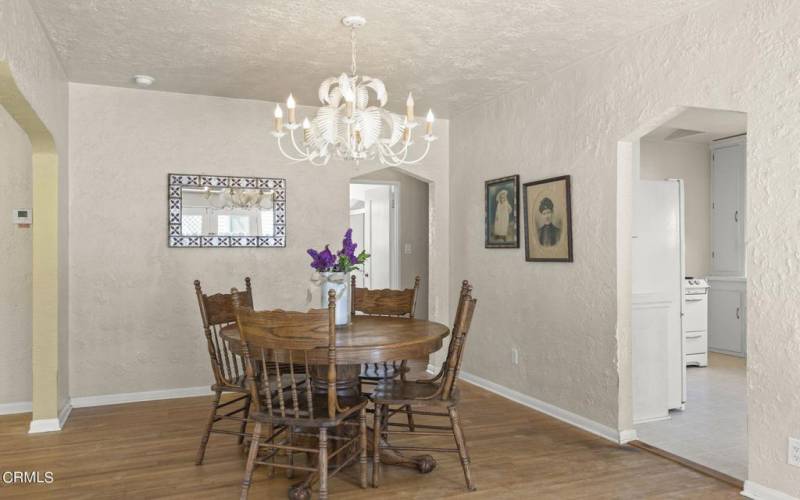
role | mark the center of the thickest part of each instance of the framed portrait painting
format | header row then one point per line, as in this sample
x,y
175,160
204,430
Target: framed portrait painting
x,y
548,220
502,212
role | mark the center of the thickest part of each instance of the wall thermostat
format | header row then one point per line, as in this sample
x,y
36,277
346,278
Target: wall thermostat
x,y
22,216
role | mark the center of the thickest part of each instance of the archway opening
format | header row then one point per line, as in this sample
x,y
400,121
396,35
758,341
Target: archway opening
x,y
682,279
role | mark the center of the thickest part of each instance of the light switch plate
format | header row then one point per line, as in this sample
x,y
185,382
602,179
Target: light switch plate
x,y
794,452
407,249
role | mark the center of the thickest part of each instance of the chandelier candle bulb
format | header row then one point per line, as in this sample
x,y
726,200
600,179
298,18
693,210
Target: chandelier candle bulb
x,y
410,108
278,118
429,122
291,105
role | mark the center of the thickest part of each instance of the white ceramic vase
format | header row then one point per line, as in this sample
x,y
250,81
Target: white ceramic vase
x,y
339,283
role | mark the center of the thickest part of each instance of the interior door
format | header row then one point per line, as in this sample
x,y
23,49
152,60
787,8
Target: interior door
x,y
727,214
357,219
378,236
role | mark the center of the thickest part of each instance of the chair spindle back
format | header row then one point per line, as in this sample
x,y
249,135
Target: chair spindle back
x,y
455,354
273,344
217,311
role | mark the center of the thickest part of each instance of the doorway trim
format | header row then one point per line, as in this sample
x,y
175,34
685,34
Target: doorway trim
x,y
394,231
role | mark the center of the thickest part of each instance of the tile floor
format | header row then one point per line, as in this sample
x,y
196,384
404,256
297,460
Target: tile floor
x,y
712,431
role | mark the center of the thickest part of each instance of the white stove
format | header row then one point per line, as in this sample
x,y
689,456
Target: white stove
x,y
695,286
695,321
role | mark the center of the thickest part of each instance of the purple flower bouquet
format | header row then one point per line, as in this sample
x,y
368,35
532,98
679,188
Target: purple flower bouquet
x,y
344,261
332,271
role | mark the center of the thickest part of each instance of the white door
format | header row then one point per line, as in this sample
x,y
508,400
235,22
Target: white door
x,y
727,210
658,268
357,224
378,202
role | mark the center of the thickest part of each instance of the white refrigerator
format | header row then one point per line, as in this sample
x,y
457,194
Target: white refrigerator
x,y
658,270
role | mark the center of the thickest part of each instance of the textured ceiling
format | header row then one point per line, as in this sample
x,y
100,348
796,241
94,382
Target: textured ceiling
x,y
451,54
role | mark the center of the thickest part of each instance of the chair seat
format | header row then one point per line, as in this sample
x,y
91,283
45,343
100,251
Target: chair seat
x,y
398,392
304,418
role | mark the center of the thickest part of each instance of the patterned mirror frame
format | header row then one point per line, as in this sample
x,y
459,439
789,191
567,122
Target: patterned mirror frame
x,y
176,182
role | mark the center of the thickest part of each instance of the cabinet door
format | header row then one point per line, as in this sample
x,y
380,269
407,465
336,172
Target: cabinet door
x,y
727,210
725,329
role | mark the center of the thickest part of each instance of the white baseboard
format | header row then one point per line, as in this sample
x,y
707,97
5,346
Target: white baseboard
x,y
51,424
13,408
758,492
135,397
627,436
549,409
44,425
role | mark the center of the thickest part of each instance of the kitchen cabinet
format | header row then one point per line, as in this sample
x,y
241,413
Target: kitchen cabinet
x,y
728,207
727,316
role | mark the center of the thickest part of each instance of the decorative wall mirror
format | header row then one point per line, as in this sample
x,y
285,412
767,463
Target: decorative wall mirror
x,y
218,211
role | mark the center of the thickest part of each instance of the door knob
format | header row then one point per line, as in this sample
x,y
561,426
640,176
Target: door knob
x,y
737,313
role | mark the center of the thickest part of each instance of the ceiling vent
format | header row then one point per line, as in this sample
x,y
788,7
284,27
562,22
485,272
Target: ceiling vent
x,y
681,133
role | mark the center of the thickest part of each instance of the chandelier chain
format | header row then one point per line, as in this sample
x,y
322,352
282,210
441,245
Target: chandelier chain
x,y
353,51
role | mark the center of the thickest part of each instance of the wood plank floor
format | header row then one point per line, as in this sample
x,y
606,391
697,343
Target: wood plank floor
x,y
146,450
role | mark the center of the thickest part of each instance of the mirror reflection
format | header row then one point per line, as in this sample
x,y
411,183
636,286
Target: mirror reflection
x,y
227,211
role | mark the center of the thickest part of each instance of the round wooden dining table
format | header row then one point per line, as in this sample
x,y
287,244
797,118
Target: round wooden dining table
x,y
370,339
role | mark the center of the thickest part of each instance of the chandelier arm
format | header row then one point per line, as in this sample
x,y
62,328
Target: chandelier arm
x,y
389,157
399,152
421,157
402,154
280,147
319,164
305,154
404,161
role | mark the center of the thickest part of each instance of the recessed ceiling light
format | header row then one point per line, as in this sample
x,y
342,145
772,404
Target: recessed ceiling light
x,y
143,80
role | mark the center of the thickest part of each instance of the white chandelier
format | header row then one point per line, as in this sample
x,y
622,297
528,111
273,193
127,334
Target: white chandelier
x,y
235,198
347,126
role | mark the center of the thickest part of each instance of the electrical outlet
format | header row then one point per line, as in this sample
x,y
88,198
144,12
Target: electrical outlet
x,y
794,452
514,356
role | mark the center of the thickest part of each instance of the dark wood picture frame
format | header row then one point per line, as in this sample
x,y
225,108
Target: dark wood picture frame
x,y
489,212
529,252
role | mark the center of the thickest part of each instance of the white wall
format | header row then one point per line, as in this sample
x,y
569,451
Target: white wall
x,y
738,55
134,318
692,163
15,268
414,231
41,79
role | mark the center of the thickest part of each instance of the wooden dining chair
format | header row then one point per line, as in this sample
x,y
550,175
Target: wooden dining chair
x,y
217,311
395,303
438,392
284,403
